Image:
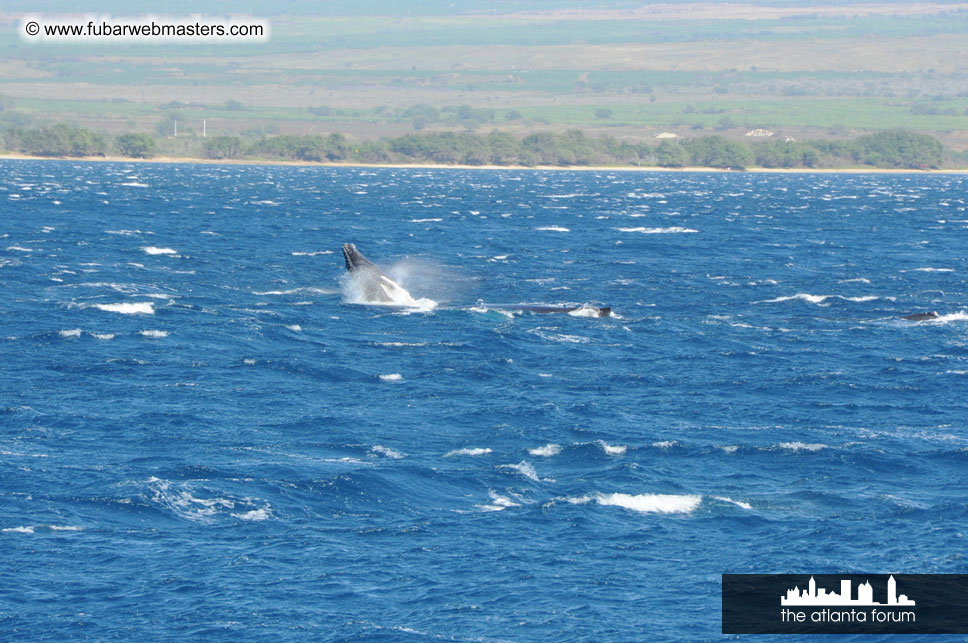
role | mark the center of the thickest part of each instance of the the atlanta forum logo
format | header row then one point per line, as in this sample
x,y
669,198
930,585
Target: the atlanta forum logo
x,y
845,603
813,596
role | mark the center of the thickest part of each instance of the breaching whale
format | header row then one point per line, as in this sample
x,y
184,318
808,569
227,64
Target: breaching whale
x,y
377,288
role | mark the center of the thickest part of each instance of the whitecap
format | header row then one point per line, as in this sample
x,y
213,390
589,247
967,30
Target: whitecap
x,y
104,336
670,230
813,299
294,327
473,451
738,503
665,444
498,503
18,530
546,451
128,308
391,377
610,449
934,270
524,468
153,250
586,311
312,254
651,502
387,452
802,446
255,515
553,228
154,334
74,332
425,220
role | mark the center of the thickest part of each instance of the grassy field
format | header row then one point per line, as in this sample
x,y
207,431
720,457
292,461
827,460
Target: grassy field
x,y
827,70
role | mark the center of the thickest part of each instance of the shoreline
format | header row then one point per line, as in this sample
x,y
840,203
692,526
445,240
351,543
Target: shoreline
x,y
442,166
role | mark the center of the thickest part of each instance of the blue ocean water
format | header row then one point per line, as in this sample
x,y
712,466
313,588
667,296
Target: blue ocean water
x,y
201,438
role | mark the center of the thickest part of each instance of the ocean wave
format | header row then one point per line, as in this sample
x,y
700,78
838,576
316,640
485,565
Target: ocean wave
x,y
391,377
154,334
670,230
613,449
645,502
386,452
802,446
525,469
472,451
128,308
820,299
294,291
546,451
553,228
74,332
153,250
498,503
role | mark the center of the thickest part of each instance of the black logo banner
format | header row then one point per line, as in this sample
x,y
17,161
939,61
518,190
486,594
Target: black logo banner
x,y
845,604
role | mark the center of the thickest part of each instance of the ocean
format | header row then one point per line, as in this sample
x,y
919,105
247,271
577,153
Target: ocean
x,y
206,435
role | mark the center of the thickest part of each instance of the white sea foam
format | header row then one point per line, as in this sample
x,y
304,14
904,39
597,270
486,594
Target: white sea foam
x,y
294,291
524,468
802,446
391,377
498,503
730,448
314,253
819,299
255,515
738,503
153,250
951,317
249,361
104,336
18,530
468,451
585,311
934,270
425,220
128,308
670,230
74,332
613,449
650,502
20,249
154,334
294,327
387,452
665,444
135,184
553,228
546,451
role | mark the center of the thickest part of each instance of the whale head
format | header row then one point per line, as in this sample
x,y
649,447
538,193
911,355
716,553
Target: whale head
x,y
354,259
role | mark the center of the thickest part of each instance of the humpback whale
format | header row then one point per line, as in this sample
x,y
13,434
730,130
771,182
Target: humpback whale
x,y
374,287
916,317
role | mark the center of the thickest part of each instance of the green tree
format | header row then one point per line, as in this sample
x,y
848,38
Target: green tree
x,y
224,147
136,145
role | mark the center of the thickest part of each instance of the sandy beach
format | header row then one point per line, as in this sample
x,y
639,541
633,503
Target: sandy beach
x,y
440,166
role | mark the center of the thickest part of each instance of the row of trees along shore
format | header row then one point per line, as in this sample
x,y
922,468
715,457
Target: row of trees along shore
x,y
885,149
